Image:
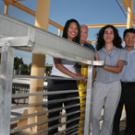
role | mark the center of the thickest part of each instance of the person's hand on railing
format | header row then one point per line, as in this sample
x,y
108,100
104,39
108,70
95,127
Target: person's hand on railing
x,y
80,77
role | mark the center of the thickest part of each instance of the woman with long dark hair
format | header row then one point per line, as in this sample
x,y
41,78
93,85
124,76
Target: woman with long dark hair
x,y
64,68
107,87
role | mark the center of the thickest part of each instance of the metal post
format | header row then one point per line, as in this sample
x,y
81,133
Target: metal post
x,y
88,101
6,89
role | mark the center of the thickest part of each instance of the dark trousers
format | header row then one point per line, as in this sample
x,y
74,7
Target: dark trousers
x,y
127,99
55,102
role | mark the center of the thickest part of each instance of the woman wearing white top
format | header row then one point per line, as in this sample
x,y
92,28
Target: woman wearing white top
x,y
64,68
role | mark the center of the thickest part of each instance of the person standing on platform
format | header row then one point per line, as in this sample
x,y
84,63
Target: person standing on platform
x,y
84,36
107,86
65,69
128,87
84,43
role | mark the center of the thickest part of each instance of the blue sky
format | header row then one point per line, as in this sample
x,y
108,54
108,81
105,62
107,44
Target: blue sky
x,y
85,11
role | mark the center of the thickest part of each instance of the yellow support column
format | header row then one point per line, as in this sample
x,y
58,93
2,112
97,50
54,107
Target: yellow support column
x,y
6,4
38,61
130,14
82,94
130,11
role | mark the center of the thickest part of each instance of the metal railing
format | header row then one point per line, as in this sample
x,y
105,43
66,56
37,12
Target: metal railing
x,y
18,35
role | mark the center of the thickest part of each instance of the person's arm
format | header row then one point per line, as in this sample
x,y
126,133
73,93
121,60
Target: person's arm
x,y
64,70
115,69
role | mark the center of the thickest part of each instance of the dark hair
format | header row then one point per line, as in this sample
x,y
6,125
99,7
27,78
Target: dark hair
x,y
100,40
130,30
65,31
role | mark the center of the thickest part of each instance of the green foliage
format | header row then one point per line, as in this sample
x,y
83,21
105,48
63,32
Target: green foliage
x,y
20,67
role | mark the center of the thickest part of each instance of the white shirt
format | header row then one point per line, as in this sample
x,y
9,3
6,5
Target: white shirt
x,y
68,64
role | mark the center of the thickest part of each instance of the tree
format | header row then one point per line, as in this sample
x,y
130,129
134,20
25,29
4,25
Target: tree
x,y
20,67
18,62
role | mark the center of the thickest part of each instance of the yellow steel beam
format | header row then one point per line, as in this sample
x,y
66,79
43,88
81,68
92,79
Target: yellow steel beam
x,y
134,20
21,6
37,69
101,25
130,14
128,4
30,11
57,25
6,4
42,14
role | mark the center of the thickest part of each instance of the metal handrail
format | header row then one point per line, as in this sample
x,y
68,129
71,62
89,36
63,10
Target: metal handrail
x,y
16,34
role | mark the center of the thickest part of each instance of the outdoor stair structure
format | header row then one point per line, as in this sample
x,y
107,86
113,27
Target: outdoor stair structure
x,y
14,35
